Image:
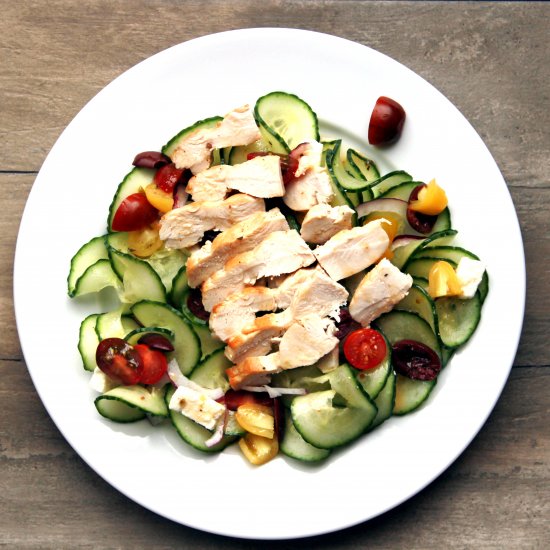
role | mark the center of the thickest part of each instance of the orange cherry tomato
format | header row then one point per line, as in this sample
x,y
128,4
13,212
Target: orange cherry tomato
x,y
365,348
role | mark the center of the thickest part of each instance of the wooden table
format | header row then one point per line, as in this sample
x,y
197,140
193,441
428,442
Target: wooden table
x,y
489,59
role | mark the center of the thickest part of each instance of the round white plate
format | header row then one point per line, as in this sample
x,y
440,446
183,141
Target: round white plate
x,y
68,205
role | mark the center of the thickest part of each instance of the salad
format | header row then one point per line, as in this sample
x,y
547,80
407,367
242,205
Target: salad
x,y
274,290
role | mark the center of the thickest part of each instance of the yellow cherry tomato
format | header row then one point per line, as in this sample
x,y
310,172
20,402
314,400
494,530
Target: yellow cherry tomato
x,y
442,280
158,198
144,242
256,419
257,449
431,200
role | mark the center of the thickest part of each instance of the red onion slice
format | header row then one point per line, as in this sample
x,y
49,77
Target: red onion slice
x,y
396,206
275,392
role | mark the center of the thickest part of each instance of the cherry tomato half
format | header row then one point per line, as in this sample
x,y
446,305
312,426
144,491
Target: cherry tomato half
x,y
154,364
386,121
167,177
119,361
134,212
365,348
233,399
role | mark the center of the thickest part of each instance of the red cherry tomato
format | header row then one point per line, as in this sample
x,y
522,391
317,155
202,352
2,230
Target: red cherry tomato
x,y
386,122
365,348
167,177
233,399
119,361
154,364
134,212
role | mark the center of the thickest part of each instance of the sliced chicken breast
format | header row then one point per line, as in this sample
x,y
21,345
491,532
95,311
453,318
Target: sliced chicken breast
x,y
323,221
380,290
281,252
352,250
239,238
308,190
259,177
237,128
183,227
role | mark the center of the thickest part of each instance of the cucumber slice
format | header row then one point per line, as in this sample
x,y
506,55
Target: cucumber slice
x,y
410,394
295,446
386,182
110,325
401,191
169,148
209,343
323,423
98,276
351,185
458,319
135,334
285,121
420,302
133,182
192,433
179,288
232,427
374,380
405,325
210,373
385,401
362,167
309,378
186,343
145,400
87,255
239,153
404,254
340,197
139,280
88,341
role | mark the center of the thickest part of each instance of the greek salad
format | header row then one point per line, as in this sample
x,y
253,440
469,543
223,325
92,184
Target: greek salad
x,y
274,289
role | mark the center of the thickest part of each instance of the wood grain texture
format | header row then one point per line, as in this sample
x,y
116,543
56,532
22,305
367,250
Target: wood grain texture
x,y
489,58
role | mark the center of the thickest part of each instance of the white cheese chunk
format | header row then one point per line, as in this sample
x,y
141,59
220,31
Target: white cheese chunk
x,y
197,406
469,273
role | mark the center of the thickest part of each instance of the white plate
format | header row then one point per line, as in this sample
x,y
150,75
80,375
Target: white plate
x,y
68,205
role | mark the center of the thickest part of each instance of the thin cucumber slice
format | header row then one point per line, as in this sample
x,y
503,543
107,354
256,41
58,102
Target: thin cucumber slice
x,y
385,401
186,343
134,335
295,446
169,148
165,262
139,280
192,433
136,180
458,319
405,325
147,400
209,342
420,302
352,185
88,341
285,121
232,427
128,323
373,380
392,179
240,153
210,373
340,197
410,394
87,255
401,191
362,167
323,423
309,378
404,254
179,288
110,324
117,410
98,276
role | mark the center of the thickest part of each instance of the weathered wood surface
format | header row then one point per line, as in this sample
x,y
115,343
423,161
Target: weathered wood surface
x,y
489,59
